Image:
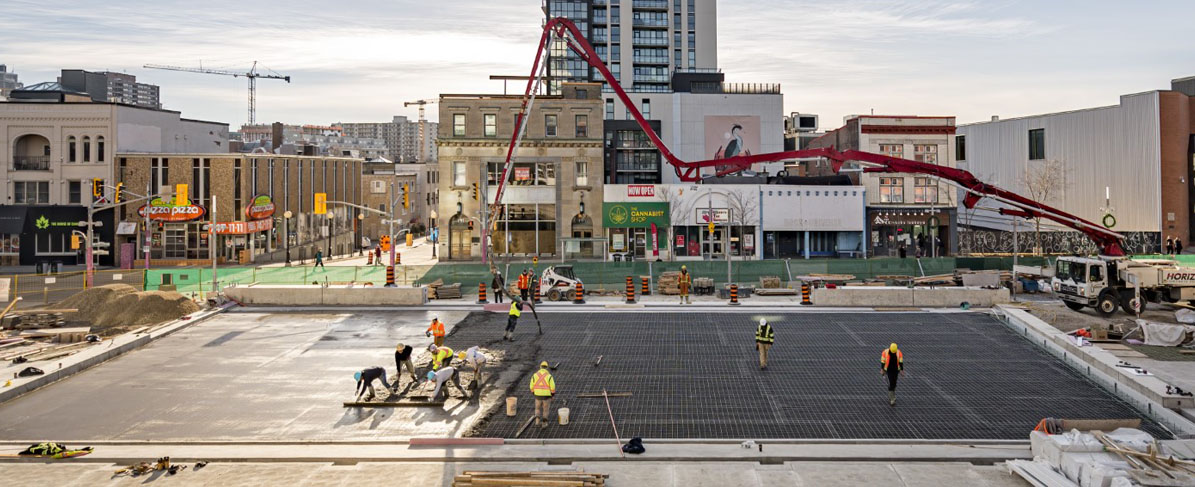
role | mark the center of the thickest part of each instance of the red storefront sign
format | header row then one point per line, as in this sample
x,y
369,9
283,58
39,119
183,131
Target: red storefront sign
x,y
261,207
242,228
170,213
641,191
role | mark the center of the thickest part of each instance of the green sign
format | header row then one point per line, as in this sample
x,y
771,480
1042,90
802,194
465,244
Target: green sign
x,y
635,215
43,223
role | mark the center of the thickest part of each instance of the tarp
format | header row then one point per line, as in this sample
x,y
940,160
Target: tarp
x,y
1164,335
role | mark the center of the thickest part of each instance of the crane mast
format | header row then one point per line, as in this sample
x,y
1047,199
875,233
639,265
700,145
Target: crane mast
x,y
252,75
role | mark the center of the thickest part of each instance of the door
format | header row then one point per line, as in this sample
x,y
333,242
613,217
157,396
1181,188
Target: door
x,y
712,245
460,238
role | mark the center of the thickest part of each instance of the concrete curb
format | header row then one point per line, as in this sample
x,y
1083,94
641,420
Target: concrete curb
x,y
95,355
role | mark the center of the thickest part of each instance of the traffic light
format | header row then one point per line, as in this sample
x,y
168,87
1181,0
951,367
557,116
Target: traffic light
x,y
181,198
406,195
119,191
75,242
97,188
470,225
475,191
321,203
711,228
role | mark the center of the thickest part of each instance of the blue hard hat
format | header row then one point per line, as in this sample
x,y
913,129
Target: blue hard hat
x,y
431,375
357,376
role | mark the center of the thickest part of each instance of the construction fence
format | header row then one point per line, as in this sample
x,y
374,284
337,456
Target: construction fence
x,y
36,290
601,276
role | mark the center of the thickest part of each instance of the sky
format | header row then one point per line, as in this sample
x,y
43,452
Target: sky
x,y
359,60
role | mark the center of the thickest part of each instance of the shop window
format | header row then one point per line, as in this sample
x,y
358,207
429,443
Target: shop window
x,y
925,190
892,190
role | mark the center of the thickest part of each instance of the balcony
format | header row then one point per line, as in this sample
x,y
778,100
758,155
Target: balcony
x,y
660,60
31,163
650,41
650,4
650,23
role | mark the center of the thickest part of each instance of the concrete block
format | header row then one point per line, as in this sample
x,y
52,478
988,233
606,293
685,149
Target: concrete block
x,y
328,296
894,296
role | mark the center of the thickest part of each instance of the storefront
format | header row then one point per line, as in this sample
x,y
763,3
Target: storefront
x,y
45,235
636,230
918,231
813,221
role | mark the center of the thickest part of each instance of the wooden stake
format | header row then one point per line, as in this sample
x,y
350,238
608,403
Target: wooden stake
x,y
612,425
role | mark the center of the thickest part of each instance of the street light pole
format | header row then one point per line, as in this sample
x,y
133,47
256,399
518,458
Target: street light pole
x,y
148,238
286,233
393,238
212,244
88,279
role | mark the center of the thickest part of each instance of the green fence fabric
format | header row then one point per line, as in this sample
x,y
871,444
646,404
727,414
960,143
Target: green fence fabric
x,y
595,275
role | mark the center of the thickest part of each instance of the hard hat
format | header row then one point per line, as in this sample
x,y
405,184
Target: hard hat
x,y
683,268
763,321
431,375
460,355
357,376
431,348
892,347
400,346
543,364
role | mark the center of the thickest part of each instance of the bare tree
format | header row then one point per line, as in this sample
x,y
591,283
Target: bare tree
x,y
676,212
1044,182
744,210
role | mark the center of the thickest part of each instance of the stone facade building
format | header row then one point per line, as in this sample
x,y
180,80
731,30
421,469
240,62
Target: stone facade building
x,y
554,190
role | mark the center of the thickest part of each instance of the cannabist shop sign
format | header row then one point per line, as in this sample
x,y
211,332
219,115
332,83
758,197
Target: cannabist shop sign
x,y
634,215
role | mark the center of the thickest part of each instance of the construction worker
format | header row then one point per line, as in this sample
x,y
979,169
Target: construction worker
x,y
892,362
516,309
764,337
475,359
499,286
402,357
365,380
441,356
543,386
443,375
684,282
524,283
436,331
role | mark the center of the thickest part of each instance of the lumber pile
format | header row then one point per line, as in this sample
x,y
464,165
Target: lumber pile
x,y
935,280
438,290
669,283
543,479
776,292
26,321
769,282
826,277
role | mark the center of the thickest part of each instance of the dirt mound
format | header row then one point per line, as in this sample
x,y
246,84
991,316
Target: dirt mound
x,y
123,306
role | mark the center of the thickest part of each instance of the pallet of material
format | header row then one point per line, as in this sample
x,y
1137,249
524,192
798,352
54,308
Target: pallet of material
x,y
669,283
544,479
447,291
826,277
769,282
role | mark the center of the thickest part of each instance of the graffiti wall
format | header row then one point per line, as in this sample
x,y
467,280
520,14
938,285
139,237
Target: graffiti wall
x,y
985,241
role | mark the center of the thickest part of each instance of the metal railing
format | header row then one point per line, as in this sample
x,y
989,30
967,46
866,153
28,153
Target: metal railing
x,y
31,163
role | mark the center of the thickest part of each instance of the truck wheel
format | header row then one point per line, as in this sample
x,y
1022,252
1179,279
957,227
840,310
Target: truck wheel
x,y
1106,304
572,295
553,295
1130,304
1073,306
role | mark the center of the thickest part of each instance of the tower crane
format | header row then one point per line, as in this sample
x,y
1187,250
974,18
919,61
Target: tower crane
x,y
252,74
422,124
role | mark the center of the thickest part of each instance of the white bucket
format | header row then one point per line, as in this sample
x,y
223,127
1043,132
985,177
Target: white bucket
x,y
562,413
511,406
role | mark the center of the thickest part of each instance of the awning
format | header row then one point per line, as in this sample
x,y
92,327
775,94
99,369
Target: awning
x,y
12,219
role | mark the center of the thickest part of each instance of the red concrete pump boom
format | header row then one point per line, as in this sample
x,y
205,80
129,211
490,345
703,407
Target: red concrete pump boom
x,y
563,30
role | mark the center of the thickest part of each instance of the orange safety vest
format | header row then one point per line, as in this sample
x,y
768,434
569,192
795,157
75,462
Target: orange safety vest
x,y
543,384
900,358
437,328
523,281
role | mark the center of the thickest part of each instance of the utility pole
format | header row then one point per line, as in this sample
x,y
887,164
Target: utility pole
x,y
212,246
89,279
148,237
393,240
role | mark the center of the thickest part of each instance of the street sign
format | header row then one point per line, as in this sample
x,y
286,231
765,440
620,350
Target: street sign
x,y
321,203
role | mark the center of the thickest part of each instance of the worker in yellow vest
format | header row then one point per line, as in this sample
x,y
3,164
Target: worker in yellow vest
x,y
543,386
764,337
684,282
892,363
441,356
516,309
436,331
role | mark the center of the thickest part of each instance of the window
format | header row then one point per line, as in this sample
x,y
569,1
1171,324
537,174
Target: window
x,y
377,187
582,94
646,108
201,181
927,153
549,125
86,149
892,190
893,150
72,148
99,148
925,190
237,199
75,192
31,192
960,147
582,173
458,174
582,126
1037,144
609,109
458,125
491,125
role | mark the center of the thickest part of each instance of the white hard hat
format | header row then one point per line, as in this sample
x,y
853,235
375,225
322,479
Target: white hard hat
x,y
763,321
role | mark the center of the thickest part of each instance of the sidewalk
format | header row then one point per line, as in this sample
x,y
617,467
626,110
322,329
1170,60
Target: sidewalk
x,y
420,253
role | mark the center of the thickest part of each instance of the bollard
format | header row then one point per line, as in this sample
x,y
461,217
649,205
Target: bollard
x,y
646,287
734,294
805,301
481,296
580,298
390,276
370,260
537,299
630,290
397,258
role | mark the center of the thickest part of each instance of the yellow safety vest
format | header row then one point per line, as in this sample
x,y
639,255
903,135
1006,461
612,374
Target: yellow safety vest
x,y
441,354
765,334
543,384
515,310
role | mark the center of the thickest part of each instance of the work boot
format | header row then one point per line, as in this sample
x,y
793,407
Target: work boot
x,y
892,398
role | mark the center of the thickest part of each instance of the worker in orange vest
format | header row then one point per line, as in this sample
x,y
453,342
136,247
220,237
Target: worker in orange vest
x,y
684,282
892,363
524,283
436,331
543,386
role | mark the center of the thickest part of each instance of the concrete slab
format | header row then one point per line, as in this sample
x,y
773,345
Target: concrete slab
x,y
847,473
